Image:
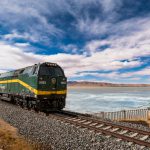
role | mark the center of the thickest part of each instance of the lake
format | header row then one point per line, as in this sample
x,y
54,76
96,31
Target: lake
x,y
107,98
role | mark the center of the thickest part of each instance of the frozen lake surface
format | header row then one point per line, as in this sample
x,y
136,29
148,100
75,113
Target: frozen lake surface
x,y
107,98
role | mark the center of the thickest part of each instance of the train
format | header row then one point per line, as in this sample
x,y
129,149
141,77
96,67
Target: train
x,y
42,87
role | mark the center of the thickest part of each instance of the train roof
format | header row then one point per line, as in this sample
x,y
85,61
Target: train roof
x,y
44,63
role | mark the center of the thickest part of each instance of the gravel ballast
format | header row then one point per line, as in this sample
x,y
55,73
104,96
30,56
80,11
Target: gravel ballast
x,y
128,124
54,134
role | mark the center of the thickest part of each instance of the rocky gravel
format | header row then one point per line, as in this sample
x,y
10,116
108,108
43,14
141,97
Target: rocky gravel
x,y
138,126
128,124
54,134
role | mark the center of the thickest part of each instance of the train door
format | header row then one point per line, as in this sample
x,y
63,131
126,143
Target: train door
x,y
15,86
10,83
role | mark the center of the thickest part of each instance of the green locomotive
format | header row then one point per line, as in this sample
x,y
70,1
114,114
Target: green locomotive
x,y
41,87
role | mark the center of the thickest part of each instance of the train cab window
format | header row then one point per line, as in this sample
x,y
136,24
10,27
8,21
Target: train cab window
x,y
51,71
46,71
35,70
59,72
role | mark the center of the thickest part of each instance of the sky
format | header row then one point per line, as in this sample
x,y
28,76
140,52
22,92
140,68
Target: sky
x,y
92,40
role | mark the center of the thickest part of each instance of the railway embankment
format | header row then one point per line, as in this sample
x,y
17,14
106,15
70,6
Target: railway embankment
x,y
53,133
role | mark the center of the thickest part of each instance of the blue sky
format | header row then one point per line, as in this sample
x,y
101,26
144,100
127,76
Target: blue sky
x,y
93,40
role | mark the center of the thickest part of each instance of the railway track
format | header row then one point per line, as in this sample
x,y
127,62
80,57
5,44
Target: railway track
x,y
131,135
120,132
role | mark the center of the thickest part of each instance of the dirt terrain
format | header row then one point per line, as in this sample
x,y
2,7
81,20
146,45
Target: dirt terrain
x,y
10,139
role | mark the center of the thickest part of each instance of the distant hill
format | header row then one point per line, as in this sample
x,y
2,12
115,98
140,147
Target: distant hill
x,y
103,84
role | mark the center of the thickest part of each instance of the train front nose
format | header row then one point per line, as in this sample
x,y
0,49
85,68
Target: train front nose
x,y
52,84
52,92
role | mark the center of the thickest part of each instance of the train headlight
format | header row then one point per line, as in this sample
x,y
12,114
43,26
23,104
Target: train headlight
x,y
53,80
63,82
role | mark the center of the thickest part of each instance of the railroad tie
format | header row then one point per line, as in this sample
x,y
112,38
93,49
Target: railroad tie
x,y
99,125
87,122
115,129
123,132
144,137
93,124
133,135
108,127
76,119
82,121
68,118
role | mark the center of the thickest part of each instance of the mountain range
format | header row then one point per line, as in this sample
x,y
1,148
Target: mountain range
x,y
102,84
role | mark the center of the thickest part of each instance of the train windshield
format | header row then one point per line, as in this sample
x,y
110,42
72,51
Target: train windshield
x,y
50,71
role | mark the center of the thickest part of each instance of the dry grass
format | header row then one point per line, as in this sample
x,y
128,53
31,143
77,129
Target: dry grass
x,y
10,140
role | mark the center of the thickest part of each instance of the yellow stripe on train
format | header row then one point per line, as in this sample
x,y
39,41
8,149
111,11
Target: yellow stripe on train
x,y
35,91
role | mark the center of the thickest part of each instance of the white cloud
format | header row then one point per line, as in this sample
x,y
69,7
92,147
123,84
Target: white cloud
x,y
22,44
36,18
142,72
92,27
128,46
103,23
12,57
94,45
17,58
28,16
15,35
71,48
135,75
145,71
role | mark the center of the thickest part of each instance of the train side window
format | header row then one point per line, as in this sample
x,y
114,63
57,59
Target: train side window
x,y
21,71
35,70
28,70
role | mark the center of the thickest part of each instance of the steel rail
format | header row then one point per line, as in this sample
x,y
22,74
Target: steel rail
x,y
118,126
89,118
100,130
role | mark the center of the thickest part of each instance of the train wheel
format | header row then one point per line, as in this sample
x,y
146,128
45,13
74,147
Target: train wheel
x,y
25,103
13,100
36,108
16,101
29,105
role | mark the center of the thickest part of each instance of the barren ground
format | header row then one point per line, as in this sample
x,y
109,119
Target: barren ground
x,y
11,140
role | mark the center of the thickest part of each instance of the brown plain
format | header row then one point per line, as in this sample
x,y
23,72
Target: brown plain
x,y
10,140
